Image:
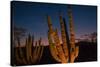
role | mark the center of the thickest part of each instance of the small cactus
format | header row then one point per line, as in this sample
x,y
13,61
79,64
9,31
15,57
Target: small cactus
x,y
33,53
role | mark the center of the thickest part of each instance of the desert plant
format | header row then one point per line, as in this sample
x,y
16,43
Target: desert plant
x,y
32,55
67,51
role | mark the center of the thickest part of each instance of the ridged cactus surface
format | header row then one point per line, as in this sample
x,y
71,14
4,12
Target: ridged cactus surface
x,y
66,51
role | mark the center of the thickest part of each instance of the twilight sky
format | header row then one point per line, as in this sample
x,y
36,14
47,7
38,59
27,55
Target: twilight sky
x,y
32,17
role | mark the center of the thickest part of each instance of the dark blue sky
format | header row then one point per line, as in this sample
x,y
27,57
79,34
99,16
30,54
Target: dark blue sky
x,y
32,16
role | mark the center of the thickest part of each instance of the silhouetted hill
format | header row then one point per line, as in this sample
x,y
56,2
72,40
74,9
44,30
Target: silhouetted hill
x,y
87,52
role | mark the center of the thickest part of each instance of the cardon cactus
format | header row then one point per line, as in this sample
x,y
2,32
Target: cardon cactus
x,y
32,55
67,51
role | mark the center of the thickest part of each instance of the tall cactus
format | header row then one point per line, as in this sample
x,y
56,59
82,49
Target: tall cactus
x,y
67,51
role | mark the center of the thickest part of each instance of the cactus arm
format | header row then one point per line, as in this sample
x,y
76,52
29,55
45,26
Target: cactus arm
x,y
54,53
21,53
53,50
59,48
73,49
17,56
39,47
34,53
26,49
41,53
38,52
76,51
64,39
